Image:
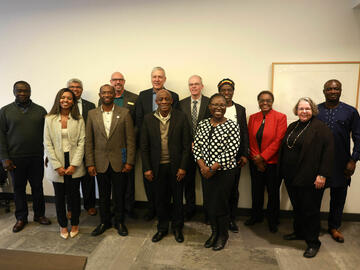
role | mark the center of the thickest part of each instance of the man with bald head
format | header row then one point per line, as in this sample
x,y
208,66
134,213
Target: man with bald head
x,y
165,151
146,103
196,109
343,120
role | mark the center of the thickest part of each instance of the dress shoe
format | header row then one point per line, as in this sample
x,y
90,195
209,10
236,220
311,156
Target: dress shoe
x,y
149,216
122,230
64,233
233,227
336,235
19,225
213,237
68,215
158,236
311,252
42,220
252,220
220,243
92,211
100,229
74,231
179,237
292,236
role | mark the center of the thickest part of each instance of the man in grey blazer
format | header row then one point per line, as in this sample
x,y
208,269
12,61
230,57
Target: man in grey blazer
x,y
196,109
110,154
87,182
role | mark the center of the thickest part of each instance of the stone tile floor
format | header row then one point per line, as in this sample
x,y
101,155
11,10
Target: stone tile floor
x,y
251,248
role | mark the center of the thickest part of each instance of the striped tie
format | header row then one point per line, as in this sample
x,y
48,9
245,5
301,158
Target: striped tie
x,y
194,115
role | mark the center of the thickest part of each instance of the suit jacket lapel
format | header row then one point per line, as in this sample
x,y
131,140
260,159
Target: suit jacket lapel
x,y
125,99
202,109
99,119
172,123
114,120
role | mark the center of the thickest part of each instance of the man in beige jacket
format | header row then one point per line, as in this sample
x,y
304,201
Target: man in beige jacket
x,y
109,154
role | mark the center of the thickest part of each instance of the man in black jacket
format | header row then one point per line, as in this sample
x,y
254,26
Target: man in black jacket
x,y
146,104
87,182
196,109
165,149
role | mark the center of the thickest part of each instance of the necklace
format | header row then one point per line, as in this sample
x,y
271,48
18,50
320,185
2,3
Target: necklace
x,y
287,139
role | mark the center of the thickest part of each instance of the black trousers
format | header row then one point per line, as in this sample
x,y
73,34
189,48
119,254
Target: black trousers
x,y
189,188
337,203
217,192
111,183
306,202
130,191
234,198
167,187
69,189
150,195
88,191
258,182
32,169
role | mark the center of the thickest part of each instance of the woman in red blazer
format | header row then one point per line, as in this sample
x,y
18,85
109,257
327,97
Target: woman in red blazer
x,y
266,131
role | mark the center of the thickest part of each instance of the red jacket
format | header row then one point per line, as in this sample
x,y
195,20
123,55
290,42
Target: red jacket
x,y
274,131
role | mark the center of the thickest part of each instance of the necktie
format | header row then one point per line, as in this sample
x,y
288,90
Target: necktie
x,y
194,115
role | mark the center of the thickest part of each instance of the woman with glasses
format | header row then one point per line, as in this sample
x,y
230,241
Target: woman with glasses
x,y
216,144
266,130
306,161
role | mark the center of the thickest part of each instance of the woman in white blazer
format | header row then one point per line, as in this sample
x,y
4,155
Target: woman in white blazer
x,y
64,139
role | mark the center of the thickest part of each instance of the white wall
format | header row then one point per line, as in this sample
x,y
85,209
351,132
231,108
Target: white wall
x,y
46,42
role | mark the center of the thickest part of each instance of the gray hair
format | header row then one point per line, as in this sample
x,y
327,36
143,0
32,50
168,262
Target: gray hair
x,y
158,68
74,80
313,106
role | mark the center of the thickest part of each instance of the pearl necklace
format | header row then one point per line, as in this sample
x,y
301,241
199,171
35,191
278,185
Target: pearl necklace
x,y
287,139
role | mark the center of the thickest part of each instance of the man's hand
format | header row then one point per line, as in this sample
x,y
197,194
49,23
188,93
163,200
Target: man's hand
x,y
92,170
127,168
70,170
242,161
61,171
180,174
349,169
149,175
8,165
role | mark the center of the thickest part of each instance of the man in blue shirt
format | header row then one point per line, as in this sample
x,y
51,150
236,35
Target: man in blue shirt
x,y
343,120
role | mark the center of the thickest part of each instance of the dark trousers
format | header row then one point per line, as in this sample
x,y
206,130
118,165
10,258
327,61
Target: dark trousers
x,y
260,180
337,203
130,191
306,202
69,189
32,169
167,187
150,195
234,198
189,188
88,191
114,183
217,192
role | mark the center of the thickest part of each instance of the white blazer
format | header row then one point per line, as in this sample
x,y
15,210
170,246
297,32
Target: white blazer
x,y
54,149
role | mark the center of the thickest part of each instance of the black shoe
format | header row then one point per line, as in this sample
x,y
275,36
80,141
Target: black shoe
x,y
292,236
158,236
122,230
179,237
149,216
252,220
233,227
132,214
311,252
100,229
220,243
212,239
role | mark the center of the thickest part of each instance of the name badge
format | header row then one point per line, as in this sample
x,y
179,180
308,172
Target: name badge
x,y
131,103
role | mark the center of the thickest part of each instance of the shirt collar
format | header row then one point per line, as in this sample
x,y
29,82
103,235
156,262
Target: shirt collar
x,y
102,110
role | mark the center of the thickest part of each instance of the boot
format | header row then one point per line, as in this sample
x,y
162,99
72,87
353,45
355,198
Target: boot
x,y
223,227
213,237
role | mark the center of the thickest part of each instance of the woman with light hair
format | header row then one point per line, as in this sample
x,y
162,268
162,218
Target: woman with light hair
x,y
306,160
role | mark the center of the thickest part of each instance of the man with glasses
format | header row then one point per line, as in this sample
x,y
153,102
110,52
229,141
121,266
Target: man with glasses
x,y
343,120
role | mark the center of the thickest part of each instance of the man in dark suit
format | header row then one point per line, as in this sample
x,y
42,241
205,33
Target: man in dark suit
x,y
146,104
196,109
87,182
110,155
237,113
126,99
165,149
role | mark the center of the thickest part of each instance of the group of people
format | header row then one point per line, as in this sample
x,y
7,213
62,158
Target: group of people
x,y
175,139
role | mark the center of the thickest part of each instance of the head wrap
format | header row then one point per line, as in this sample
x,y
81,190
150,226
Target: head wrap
x,y
226,81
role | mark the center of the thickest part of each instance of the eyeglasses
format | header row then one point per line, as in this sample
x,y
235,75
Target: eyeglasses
x,y
120,80
261,101
304,109
332,88
216,105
